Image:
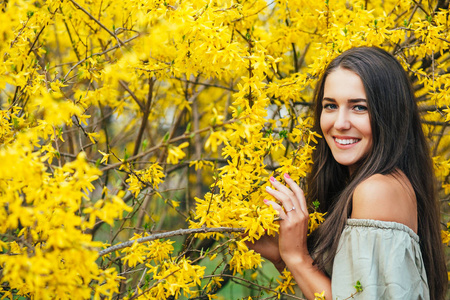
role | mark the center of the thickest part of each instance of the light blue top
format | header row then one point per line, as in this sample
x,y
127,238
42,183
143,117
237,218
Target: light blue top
x,y
384,257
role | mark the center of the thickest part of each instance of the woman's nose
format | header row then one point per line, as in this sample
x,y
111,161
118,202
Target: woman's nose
x,y
342,121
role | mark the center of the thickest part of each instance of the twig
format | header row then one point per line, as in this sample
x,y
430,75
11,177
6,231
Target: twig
x,y
20,32
35,40
254,284
154,284
207,84
126,88
163,144
179,117
146,112
140,281
97,21
167,235
243,17
439,139
97,54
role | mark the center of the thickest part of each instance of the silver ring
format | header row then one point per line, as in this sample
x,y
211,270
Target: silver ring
x,y
293,208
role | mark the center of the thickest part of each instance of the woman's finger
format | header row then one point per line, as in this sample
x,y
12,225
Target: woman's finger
x,y
288,205
281,187
298,192
277,207
285,200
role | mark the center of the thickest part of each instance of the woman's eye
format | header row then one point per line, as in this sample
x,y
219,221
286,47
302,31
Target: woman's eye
x,y
329,106
360,108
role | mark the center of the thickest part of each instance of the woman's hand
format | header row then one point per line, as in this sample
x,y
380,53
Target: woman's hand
x,y
294,220
289,247
267,246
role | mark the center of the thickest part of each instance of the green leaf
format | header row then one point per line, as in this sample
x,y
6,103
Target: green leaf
x,y
166,137
316,204
358,287
144,144
15,123
283,134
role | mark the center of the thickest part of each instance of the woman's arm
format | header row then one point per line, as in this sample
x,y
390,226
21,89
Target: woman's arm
x,y
292,238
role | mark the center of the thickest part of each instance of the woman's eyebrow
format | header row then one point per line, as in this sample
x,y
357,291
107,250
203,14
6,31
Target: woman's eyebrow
x,y
355,100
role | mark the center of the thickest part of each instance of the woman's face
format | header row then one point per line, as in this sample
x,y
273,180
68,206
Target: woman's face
x,y
344,120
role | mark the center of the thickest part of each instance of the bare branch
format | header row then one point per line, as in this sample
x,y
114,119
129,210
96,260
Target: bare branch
x,y
126,88
167,235
255,284
97,21
97,54
208,84
163,144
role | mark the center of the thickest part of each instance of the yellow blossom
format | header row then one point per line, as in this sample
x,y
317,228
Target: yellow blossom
x,y
176,153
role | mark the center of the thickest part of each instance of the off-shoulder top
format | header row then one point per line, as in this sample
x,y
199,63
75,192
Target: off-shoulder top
x,y
384,257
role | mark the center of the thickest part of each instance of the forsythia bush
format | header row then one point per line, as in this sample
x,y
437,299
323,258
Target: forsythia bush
x,y
123,121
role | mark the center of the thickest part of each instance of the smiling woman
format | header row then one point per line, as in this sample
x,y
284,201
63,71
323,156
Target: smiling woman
x,y
372,174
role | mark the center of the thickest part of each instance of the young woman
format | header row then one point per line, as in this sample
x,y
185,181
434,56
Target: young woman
x,y
372,173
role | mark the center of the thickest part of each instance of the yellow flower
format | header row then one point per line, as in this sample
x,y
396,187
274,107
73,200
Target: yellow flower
x,y
320,296
445,235
176,153
105,157
215,139
286,282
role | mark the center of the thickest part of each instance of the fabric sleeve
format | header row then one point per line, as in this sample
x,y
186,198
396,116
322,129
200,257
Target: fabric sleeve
x,y
384,257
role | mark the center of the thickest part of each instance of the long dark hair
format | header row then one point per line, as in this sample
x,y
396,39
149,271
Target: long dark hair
x,y
398,144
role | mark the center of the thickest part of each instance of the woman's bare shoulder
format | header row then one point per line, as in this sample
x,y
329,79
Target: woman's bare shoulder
x,y
386,198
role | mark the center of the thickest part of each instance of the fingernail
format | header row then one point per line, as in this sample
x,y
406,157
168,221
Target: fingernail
x,y
265,201
268,188
286,175
272,179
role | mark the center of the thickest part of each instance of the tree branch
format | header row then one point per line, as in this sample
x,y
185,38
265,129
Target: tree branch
x,y
167,235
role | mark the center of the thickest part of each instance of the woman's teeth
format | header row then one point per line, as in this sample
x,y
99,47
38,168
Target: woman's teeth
x,y
346,141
